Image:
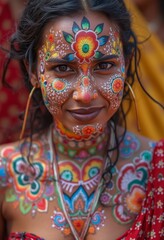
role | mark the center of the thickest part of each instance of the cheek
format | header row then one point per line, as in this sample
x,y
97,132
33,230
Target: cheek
x,y
55,92
112,91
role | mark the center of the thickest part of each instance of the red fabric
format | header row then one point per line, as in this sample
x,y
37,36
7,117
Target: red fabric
x,y
12,102
149,224
24,236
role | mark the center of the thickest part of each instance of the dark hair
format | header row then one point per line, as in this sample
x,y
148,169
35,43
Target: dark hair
x,y
25,43
161,8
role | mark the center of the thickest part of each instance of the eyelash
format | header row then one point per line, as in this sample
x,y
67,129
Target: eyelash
x,y
97,67
68,69
108,66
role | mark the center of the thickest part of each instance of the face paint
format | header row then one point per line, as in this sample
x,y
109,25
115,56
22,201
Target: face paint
x,y
85,92
57,92
85,43
82,67
113,90
88,130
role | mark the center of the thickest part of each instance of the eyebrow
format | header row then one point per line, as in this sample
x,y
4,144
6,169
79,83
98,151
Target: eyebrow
x,y
61,60
57,60
107,57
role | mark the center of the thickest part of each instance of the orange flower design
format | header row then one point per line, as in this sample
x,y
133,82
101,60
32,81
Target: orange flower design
x,y
117,85
85,45
58,85
135,199
88,130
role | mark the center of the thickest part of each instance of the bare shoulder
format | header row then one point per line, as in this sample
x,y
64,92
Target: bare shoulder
x,y
136,146
5,151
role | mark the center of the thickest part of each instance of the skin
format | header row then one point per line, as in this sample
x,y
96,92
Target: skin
x,y
88,84
86,81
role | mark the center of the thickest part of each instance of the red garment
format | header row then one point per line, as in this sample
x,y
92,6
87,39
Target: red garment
x,y
149,224
12,102
24,236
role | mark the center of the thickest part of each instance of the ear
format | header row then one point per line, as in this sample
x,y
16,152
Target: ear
x,y
34,80
32,75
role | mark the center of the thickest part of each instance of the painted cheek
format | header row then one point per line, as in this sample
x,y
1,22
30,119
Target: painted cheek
x,y
112,90
55,93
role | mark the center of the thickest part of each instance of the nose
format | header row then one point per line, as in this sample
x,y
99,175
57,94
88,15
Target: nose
x,y
85,91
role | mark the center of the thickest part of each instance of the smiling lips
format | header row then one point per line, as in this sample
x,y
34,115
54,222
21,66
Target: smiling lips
x,y
85,114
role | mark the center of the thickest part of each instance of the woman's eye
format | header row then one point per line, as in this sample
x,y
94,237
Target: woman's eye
x,y
63,68
103,66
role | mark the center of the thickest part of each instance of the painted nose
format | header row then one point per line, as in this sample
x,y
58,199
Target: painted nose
x,y
85,92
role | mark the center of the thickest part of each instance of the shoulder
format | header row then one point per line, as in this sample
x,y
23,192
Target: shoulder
x,y
136,146
15,157
6,153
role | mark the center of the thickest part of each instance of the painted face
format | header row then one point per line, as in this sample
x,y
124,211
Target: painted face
x,y
81,71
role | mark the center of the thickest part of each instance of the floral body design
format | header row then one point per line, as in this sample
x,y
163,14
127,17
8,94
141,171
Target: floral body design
x,y
78,184
31,187
113,90
131,182
59,222
85,42
149,222
129,145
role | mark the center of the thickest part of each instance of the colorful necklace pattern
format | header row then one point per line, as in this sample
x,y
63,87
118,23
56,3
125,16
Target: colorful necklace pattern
x,y
68,145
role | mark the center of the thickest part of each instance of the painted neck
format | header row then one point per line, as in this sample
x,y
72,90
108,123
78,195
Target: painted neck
x,y
78,147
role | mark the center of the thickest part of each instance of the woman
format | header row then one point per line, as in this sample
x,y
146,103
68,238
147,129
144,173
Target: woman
x,y
76,174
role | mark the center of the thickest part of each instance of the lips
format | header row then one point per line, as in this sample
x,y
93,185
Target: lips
x,y
85,114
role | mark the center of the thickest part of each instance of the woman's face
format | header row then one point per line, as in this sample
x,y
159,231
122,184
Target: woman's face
x,y
81,71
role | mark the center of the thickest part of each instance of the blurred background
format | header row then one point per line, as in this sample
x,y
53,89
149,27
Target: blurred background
x,y
148,24
12,100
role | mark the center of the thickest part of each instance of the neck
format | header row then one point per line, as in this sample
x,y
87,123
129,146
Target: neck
x,y
75,147
81,161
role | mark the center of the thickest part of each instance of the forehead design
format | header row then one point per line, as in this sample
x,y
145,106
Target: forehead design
x,y
85,42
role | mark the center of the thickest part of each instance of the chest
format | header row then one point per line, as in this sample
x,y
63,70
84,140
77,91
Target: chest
x,y
34,196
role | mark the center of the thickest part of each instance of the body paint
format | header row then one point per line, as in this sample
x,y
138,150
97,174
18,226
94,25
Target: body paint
x,y
31,185
78,184
85,45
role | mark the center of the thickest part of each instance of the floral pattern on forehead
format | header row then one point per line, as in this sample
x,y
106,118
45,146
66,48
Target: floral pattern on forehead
x,y
48,48
85,42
